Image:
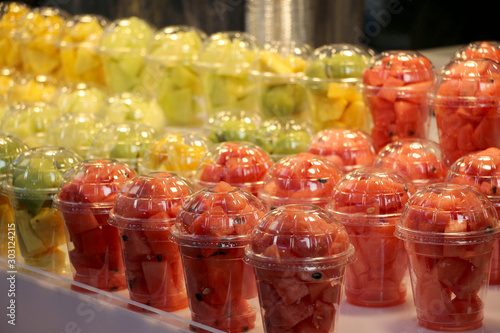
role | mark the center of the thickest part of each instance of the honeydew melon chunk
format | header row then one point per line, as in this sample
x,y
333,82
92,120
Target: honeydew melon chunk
x,y
291,143
32,243
279,100
183,77
183,100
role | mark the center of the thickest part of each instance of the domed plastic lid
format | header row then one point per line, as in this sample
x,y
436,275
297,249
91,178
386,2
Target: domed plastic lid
x,y
92,184
10,149
479,50
480,170
299,238
336,62
42,23
150,201
75,131
365,194
239,164
126,37
228,53
232,125
397,69
220,216
175,45
80,97
38,171
449,214
10,14
27,88
349,149
418,159
83,31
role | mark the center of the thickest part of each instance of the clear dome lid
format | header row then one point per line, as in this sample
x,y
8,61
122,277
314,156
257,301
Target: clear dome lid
x,y
150,201
28,88
299,238
42,23
479,50
80,97
10,14
83,31
232,125
10,148
126,37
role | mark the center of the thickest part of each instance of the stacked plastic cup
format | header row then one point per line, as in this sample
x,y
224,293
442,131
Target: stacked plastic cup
x,y
418,159
395,87
482,171
10,14
78,98
299,253
212,229
369,203
348,149
300,179
449,231
144,211
232,125
31,184
85,198
479,50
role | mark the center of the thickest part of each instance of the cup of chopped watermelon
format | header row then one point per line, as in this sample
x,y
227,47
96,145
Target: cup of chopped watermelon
x,y
85,198
479,50
212,228
369,202
299,253
144,211
449,231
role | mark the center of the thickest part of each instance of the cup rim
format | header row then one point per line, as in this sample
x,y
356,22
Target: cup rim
x,y
452,238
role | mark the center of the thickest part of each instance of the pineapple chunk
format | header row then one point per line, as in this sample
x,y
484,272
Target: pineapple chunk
x,y
48,225
32,243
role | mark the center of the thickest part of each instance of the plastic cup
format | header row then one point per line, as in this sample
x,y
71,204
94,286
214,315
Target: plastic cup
x,y
79,98
30,88
31,184
369,203
466,104
144,211
241,164
479,50
10,14
348,149
331,75
212,229
395,87
300,179
85,198
449,231
7,78
418,159
482,171
299,253
232,125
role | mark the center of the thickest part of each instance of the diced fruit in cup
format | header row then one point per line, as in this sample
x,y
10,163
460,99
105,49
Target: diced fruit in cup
x,y
480,50
10,14
233,125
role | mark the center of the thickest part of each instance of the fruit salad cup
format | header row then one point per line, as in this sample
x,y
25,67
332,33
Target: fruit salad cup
x,y
299,253
331,75
10,149
78,43
300,179
369,202
29,88
10,14
232,125
7,78
278,71
37,34
144,211
224,63
212,229
466,104
29,122
122,48
177,87
78,98
482,171
418,159
75,131
178,151
348,149
282,137
395,87
126,142
479,50
449,231
31,184
241,164
85,198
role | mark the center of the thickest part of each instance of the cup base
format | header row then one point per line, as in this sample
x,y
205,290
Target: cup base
x,y
375,304
450,327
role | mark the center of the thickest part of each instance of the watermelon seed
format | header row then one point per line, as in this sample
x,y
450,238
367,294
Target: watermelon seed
x,y
199,297
273,208
322,181
125,238
370,210
238,220
317,275
114,270
246,328
206,291
131,283
412,132
148,302
433,168
390,134
489,230
199,257
159,257
113,288
127,175
388,64
222,253
406,188
494,189
268,323
492,80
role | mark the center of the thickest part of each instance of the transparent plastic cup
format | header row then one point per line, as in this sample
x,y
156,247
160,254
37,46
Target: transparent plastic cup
x,y
7,79
348,149
299,253
449,231
212,229
466,102
395,87
482,171
300,179
32,88
144,211
240,164
79,98
232,125
369,203
331,77
418,159
31,184
10,14
85,198
479,50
